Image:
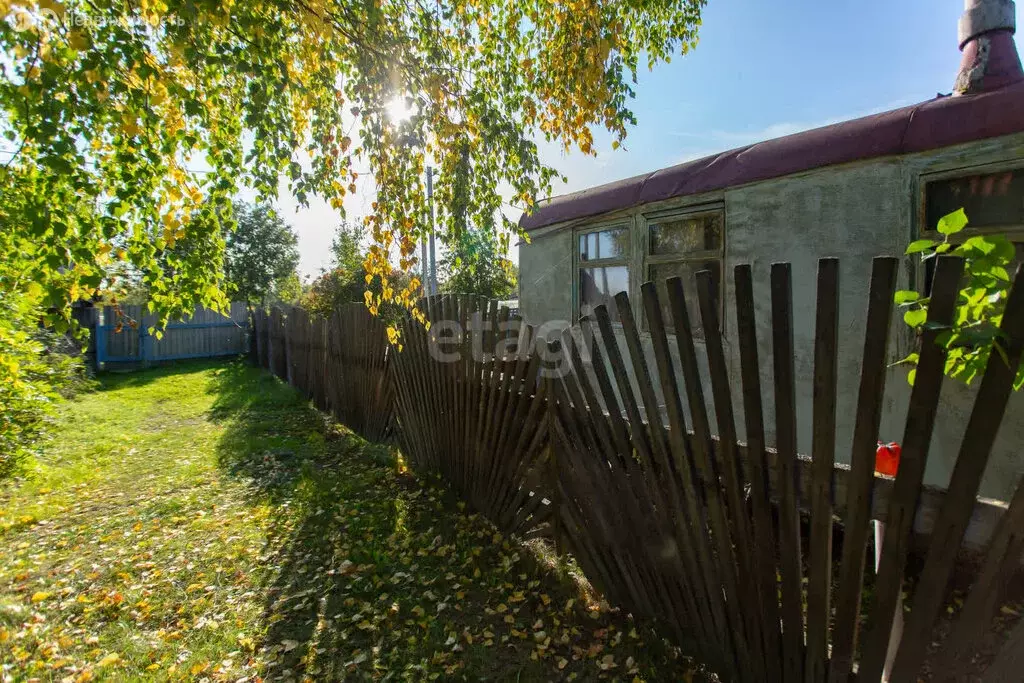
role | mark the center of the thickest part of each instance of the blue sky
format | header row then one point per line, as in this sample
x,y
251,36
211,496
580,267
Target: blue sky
x,y
761,70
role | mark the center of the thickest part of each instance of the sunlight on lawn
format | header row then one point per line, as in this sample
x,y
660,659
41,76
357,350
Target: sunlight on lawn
x,y
202,521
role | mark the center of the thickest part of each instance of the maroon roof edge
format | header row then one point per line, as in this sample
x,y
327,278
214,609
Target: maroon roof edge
x,y
936,123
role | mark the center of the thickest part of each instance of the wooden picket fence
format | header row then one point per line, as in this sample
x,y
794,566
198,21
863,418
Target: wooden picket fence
x,y
728,546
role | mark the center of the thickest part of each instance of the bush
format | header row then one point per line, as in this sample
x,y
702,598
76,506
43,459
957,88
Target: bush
x,y
37,368
339,287
975,330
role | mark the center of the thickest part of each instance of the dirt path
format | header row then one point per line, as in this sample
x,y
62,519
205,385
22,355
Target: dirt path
x,y
202,522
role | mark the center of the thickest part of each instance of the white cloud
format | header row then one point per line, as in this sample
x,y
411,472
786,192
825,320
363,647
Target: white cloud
x,y
724,140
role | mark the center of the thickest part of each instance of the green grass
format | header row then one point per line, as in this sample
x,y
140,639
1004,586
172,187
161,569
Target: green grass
x,y
201,521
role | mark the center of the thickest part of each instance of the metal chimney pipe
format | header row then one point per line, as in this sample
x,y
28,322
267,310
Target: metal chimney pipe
x,y
990,59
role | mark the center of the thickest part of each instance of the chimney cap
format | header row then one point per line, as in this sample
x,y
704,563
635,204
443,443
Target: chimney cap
x,y
983,16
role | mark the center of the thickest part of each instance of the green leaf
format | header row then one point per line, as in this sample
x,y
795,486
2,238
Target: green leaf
x,y
952,223
905,296
910,359
916,317
918,246
981,243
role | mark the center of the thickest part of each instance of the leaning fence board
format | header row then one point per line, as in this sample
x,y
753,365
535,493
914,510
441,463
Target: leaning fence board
x,y
858,493
731,477
978,439
582,439
757,465
823,451
1000,563
704,583
924,403
789,483
735,638
1009,664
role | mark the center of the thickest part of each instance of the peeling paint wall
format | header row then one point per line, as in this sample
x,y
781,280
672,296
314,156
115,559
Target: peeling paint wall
x,y
854,212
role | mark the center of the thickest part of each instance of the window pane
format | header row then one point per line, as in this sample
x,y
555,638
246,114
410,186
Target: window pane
x,y
686,234
600,285
989,199
604,244
688,272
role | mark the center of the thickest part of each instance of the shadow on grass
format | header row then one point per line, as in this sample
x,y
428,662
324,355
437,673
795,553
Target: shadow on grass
x,y
370,574
301,465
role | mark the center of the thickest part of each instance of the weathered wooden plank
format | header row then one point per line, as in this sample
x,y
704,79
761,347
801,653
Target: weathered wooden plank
x,y
731,477
705,584
1009,663
663,474
785,439
604,481
924,400
823,454
857,520
1000,564
740,661
982,427
763,530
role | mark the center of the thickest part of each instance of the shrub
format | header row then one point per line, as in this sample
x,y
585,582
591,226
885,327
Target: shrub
x,y
974,332
37,367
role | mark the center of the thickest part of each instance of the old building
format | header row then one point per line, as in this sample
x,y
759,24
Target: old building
x,y
854,190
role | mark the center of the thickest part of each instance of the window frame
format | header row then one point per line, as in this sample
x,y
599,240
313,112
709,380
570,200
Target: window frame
x,y
625,259
698,257
1014,232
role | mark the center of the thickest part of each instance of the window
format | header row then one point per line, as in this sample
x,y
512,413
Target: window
x,y
603,269
682,245
993,201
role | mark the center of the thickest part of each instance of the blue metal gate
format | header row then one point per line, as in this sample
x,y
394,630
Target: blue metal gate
x,y
122,336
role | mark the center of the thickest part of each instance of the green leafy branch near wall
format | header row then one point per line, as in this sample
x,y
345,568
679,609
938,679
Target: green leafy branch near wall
x,y
974,334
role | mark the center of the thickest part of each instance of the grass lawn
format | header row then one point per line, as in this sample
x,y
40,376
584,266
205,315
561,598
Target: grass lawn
x,y
201,521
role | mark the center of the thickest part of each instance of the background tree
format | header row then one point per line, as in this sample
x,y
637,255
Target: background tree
x,y
348,247
288,290
475,264
261,256
131,125
347,281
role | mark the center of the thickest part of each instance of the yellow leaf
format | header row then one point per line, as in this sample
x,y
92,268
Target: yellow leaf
x,y
112,658
53,6
40,596
78,40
